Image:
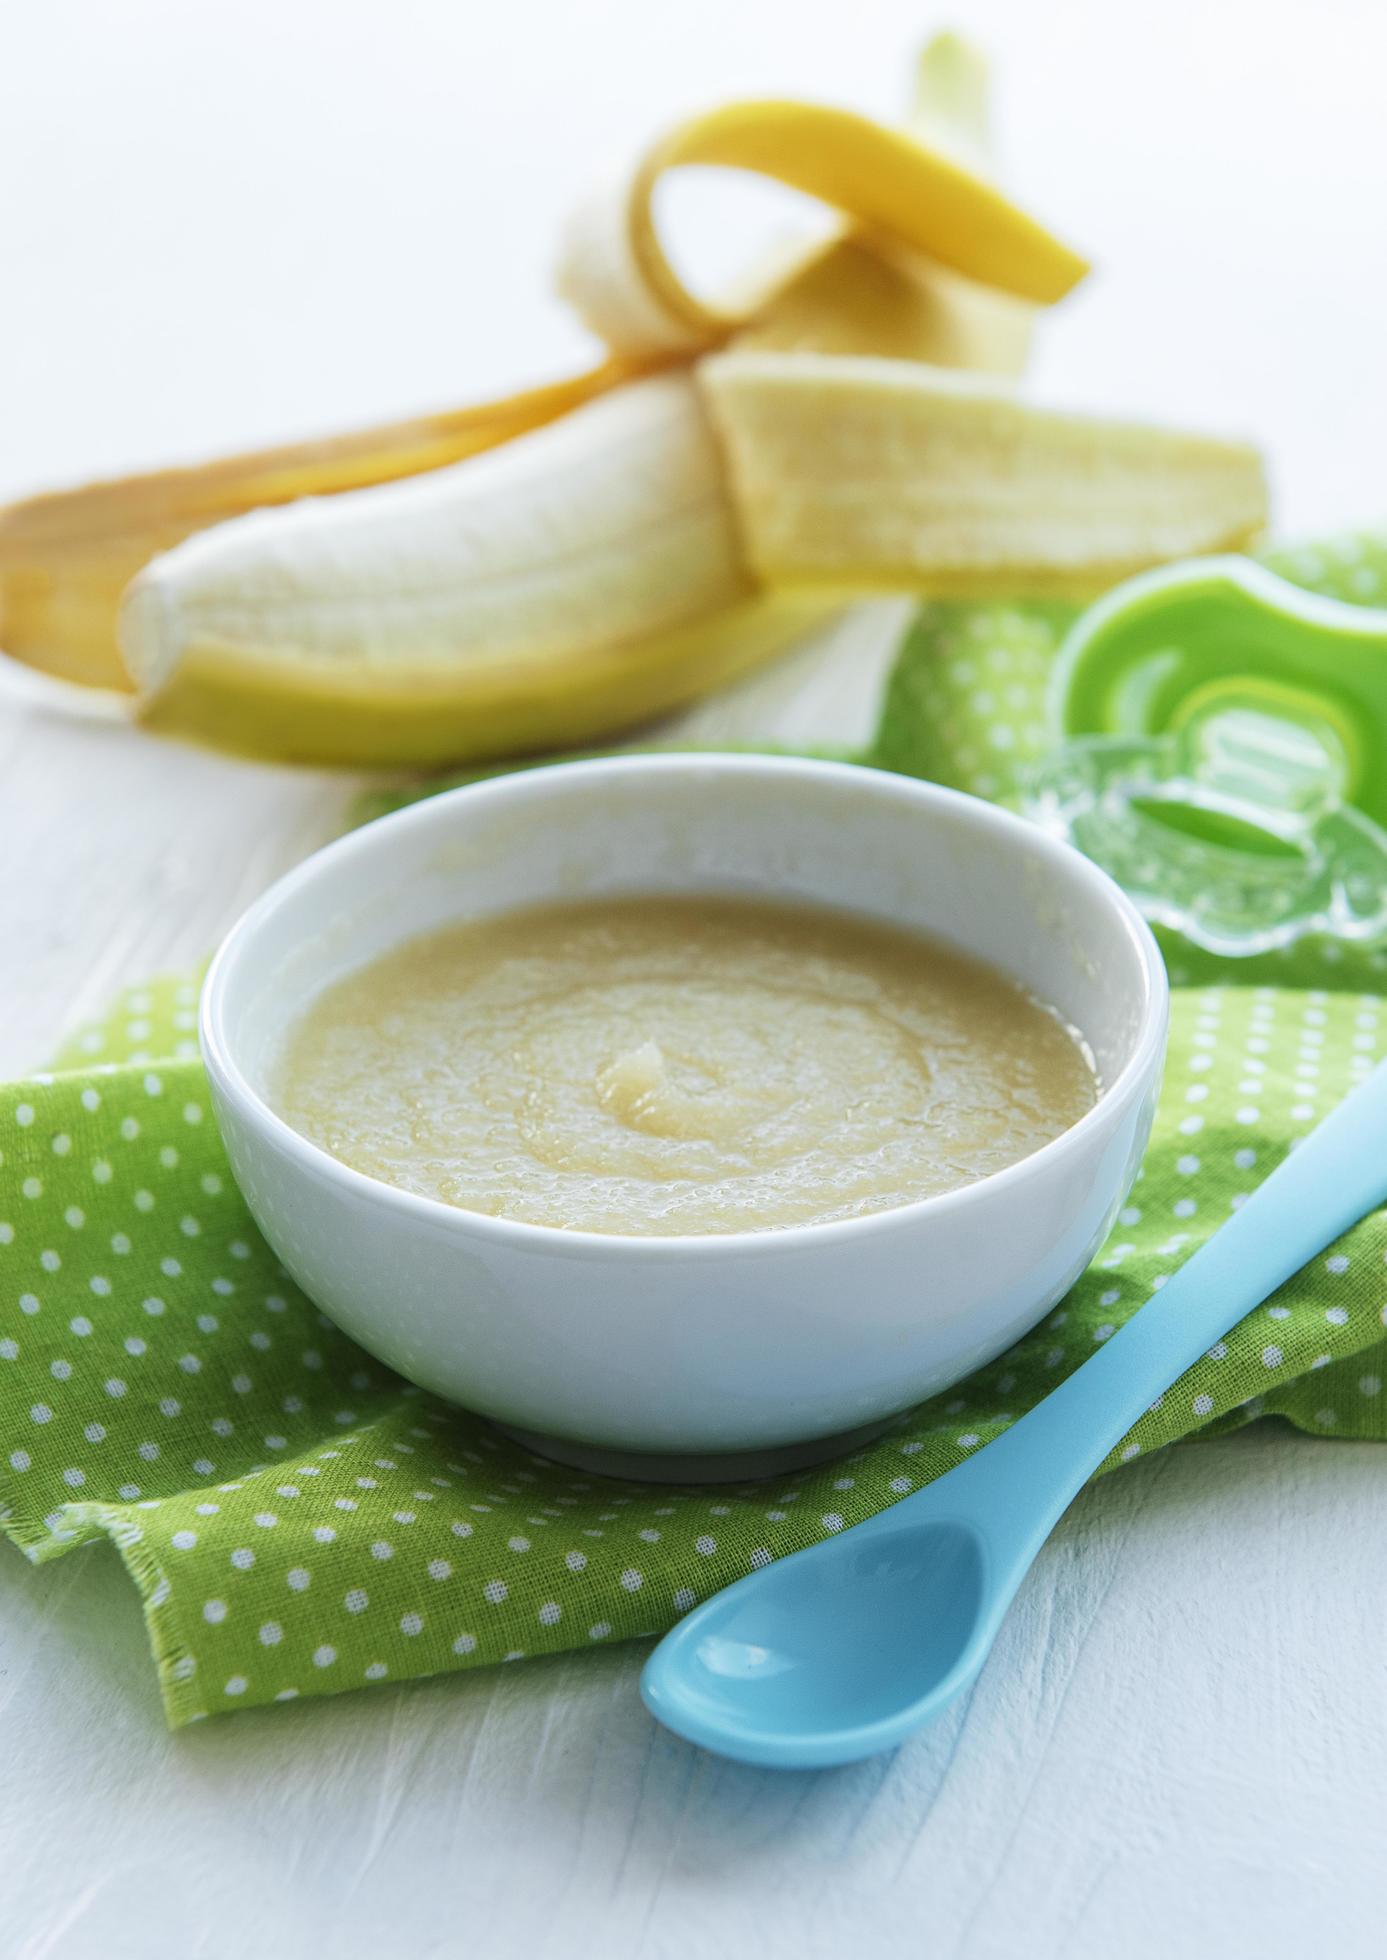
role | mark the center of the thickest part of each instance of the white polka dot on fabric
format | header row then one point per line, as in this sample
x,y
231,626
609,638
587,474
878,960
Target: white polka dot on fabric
x,y
324,1656
495,1591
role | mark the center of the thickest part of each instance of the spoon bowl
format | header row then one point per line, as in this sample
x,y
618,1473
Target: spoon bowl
x,y
836,1652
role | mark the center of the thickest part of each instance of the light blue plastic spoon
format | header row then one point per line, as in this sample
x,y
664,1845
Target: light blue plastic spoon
x,y
842,1650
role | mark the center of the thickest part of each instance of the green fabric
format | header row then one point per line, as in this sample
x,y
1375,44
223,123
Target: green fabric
x,y
299,1521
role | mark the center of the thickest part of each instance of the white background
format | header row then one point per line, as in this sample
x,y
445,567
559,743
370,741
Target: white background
x,y
228,224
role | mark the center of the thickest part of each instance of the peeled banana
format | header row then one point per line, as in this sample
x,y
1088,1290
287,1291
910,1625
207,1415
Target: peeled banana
x,y
552,569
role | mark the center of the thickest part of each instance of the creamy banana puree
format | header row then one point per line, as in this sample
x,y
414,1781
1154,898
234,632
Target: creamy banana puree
x,y
662,1065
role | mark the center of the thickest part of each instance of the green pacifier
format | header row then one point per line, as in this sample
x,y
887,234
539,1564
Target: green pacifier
x,y
1224,755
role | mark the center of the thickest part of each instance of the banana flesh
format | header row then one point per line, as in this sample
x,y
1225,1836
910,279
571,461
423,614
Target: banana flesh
x,y
550,591
66,558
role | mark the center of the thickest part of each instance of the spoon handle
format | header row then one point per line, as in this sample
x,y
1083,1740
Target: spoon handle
x,y
1326,1184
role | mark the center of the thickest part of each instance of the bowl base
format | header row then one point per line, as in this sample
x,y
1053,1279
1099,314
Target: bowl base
x,y
729,1467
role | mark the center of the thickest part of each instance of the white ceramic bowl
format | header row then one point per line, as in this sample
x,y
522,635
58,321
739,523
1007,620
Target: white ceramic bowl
x,y
752,1348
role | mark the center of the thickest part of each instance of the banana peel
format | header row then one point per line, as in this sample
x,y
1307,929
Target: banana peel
x,y
877,475
551,569
615,271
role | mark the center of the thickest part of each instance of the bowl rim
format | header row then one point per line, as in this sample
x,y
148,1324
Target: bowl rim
x,y
1131,1082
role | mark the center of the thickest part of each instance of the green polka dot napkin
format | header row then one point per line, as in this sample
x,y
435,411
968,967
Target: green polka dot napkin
x,y
299,1521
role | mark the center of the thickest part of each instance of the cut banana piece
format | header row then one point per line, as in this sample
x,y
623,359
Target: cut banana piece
x,y
573,582
869,474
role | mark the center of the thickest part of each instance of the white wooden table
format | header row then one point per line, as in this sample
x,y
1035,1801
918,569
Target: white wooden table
x,y
234,224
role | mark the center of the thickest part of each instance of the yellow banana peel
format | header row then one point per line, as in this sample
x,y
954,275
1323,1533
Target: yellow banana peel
x,y
615,272
554,568
869,475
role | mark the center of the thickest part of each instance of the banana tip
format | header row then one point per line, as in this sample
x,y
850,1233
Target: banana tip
x,y
146,632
